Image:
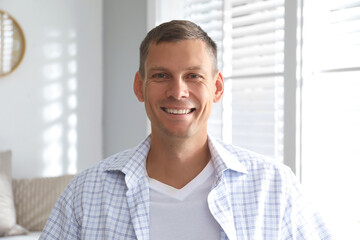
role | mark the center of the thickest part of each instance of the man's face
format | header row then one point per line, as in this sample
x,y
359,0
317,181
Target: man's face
x,y
179,87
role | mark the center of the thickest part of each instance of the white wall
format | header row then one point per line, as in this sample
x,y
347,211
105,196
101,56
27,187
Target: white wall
x,y
51,106
124,117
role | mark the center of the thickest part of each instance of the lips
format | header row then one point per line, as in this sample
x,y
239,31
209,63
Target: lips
x,y
178,111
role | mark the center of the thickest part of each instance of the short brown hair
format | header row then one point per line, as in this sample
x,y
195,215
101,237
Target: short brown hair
x,y
173,31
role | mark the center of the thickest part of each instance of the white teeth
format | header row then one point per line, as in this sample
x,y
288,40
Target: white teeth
x,y
177,111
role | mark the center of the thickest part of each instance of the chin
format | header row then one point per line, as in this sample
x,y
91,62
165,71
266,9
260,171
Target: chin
x,y
181,134
178,134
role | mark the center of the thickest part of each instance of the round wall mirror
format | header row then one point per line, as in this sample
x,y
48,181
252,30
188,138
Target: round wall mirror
x,y
12,44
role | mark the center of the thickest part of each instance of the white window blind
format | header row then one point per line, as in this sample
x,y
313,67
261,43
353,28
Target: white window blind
x,y
258,58
331,111
208,14
256,75
250,36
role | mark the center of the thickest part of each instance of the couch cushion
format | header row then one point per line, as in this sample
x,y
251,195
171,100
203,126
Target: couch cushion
x,y
8,225
34,199
30,236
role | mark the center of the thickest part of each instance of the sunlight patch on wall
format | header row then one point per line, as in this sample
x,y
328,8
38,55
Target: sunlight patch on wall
x,y
60,136
53,112
53,71
53,152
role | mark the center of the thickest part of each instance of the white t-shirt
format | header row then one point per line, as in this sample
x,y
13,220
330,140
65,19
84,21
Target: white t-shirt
x,y
179,214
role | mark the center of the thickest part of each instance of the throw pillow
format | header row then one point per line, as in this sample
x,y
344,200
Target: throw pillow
x,y
34,198
8,226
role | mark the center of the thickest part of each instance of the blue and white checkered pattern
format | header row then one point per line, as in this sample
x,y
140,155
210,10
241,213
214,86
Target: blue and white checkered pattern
x,y
252,198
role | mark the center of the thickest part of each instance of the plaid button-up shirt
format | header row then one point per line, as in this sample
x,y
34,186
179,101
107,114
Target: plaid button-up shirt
x,y
252,198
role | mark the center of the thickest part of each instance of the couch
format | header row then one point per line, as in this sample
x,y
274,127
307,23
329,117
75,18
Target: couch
x,y
25,204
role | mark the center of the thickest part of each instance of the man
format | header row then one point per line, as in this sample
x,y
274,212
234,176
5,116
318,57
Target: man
x,y
179,183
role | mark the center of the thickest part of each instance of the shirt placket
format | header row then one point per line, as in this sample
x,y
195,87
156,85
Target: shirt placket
x,y
138,201
221,209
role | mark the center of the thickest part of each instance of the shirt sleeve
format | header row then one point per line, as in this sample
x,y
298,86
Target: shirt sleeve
x,y
62,223
301,220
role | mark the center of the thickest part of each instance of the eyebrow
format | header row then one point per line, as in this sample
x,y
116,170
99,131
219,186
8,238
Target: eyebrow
x,y
195,68
155,68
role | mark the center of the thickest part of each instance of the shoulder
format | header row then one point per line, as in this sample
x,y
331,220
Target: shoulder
x,y
246,157
95,179
254,160
86,197
253,165
101,170
112,170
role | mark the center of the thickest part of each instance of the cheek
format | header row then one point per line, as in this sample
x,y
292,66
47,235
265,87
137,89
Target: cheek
x,y
154,93
202,93
151,90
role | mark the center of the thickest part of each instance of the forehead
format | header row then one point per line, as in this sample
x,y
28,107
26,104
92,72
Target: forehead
x,y
179,54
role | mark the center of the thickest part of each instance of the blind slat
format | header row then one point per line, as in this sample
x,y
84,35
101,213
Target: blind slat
x,y
214,16
343,15
259,17
258,50
257,70
259,39
254,61
258,28
202,7
252,7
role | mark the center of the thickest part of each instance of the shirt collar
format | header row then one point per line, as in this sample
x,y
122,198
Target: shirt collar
x,y
223,159
132,162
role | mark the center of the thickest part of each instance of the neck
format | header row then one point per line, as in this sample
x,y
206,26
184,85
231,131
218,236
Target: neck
x,y
176,161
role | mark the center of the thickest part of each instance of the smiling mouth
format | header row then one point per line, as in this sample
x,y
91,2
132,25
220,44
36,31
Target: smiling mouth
x,y
178,111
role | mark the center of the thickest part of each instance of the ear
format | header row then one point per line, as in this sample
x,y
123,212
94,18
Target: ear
x,y
138,87
219,87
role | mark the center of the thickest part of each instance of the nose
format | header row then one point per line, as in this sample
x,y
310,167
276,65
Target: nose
x,y
177,88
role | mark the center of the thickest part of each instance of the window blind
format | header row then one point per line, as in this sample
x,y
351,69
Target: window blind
x,y
250,36
331,111
208,14
253,43
256,75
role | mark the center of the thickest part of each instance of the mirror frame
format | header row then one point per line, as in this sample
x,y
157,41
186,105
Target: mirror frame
x,y
22,37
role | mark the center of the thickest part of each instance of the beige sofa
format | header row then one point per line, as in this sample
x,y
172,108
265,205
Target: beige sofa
x,y
34,199
28,202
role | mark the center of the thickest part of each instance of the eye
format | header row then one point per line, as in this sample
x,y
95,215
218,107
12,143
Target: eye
x,y
159,75
194,76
